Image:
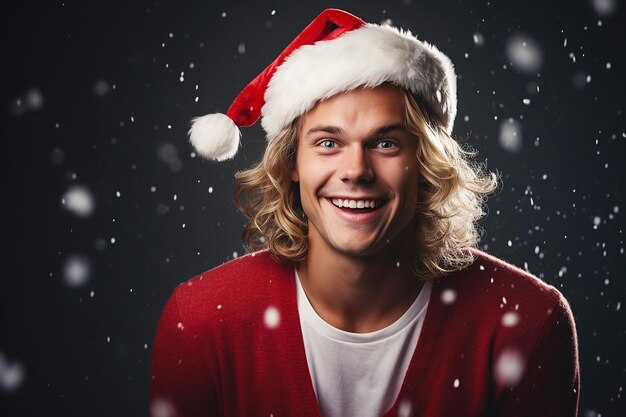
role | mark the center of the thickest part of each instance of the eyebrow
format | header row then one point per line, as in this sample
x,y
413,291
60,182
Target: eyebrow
x,y
338,131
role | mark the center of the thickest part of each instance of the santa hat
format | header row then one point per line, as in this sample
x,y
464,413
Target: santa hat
x,y
337,52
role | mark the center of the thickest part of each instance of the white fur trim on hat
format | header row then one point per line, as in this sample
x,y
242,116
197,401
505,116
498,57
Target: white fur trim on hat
x,y
215,136
364,57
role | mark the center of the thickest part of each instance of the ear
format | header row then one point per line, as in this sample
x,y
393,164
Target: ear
x,y
295,175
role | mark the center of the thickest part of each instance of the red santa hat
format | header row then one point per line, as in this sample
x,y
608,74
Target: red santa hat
x,y
336,52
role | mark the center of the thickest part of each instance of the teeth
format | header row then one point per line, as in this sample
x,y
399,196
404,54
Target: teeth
x,y
354,203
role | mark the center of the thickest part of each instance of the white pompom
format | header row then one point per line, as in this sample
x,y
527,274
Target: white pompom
x,y
215,136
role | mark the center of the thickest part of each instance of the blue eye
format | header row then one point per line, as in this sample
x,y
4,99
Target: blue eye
x,y
385,144
328,144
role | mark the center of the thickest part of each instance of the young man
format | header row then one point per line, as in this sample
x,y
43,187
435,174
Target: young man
x,y
366,297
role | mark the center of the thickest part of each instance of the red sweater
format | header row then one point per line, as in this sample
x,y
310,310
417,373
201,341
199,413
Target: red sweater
x,y
214,355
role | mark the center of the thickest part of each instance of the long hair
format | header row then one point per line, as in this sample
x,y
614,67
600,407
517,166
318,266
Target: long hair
x,y
451,197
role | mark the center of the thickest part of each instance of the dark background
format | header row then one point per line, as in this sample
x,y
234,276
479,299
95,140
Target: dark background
x,y
100,94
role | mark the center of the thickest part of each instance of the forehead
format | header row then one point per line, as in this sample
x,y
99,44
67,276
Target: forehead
x,y
359,107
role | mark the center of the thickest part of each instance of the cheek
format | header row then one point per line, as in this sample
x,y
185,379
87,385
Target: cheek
x,y
409,184
314,174
400,175
306,182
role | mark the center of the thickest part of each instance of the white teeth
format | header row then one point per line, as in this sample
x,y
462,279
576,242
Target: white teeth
x,y
354,203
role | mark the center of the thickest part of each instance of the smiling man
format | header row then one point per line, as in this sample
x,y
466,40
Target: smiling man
x,y
364,294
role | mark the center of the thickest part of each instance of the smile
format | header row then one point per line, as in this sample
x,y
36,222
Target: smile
x,y
355,204
357,211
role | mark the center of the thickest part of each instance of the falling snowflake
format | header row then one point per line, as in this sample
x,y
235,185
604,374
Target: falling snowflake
x,y
524,53
11,374
168,153
604,7
79,201
510,367
101,88
405,409
33,100
57,156
510,319
161,408
76,271
581,79
479,39
448,296
271,318
510,137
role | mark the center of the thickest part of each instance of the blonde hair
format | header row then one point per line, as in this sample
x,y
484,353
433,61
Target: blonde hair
x,y
451,196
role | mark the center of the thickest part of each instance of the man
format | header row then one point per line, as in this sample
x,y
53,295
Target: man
x,y
365,297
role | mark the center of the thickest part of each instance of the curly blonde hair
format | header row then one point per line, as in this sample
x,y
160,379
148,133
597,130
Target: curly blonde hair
x,y
451,198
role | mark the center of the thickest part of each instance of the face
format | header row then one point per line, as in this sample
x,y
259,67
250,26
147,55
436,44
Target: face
x,y
357,171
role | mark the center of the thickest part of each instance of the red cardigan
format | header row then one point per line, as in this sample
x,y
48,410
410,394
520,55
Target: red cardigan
x,y
215,356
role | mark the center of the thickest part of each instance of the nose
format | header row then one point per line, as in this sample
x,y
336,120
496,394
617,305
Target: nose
x,y
356,166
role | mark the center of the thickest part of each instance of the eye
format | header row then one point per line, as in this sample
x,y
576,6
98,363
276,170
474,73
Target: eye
x,y
385,144
328,144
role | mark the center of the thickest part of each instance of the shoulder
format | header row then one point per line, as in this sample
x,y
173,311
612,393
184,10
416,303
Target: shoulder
x,y
493,306
528,328
246,272
498,298
233,290
493,280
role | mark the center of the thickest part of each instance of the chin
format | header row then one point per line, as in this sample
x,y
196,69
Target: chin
x,y
350,248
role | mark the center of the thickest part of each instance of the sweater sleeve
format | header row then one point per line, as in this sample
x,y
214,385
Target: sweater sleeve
x,y
550,383
180,381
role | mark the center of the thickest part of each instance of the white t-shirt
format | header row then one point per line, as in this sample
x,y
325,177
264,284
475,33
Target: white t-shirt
x,y
359,374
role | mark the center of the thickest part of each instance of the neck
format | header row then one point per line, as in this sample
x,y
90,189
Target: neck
x,y
361,293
